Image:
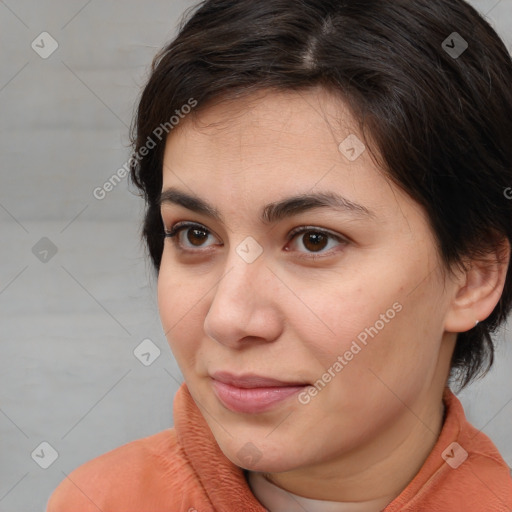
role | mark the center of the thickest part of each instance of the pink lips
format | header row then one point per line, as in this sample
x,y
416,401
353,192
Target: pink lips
x,y
252,393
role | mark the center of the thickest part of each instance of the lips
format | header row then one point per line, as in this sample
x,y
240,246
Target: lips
x,y
252,381
252,393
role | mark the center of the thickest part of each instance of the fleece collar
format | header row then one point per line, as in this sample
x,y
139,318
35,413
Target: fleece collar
x,y
227,488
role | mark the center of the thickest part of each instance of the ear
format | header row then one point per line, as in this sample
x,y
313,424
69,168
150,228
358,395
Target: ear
x,y
478,289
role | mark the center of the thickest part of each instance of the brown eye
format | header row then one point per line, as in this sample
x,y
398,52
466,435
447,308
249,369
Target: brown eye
x,y
196,236
314,241
187,236
311,241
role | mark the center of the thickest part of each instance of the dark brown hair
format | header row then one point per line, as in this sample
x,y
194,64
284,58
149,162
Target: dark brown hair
x,y
440,119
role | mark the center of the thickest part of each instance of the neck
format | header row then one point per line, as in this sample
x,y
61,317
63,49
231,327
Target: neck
x,y
381,469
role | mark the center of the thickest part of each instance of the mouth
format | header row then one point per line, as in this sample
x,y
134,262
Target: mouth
x,y
252,393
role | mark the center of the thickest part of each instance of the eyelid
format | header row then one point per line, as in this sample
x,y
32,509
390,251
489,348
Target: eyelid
x,y
187,224
301,229
182,225
176,227
316,256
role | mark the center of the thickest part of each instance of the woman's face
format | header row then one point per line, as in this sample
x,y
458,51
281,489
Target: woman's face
x,y
339,296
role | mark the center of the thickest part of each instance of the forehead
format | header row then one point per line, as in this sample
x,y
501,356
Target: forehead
x,y
270,145
311,113
269,131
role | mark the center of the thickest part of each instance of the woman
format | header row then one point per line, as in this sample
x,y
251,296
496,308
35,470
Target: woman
x,y
327,216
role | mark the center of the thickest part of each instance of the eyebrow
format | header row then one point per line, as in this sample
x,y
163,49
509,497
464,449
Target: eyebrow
x,y
272,212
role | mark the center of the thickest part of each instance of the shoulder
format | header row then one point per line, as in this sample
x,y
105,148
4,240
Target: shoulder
x,y
487,475
463,473
140,475
473,476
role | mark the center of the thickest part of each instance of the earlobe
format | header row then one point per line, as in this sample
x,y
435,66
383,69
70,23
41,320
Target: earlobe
x,y
478,290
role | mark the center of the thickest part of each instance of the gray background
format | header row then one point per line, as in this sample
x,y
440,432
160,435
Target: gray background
x,y
69,325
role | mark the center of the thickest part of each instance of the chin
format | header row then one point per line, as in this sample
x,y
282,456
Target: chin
x,y
269,459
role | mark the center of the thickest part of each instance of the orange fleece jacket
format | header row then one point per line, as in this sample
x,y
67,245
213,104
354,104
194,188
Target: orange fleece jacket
x,y
183,470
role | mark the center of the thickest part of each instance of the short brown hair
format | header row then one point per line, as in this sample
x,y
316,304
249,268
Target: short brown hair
x,y
440,114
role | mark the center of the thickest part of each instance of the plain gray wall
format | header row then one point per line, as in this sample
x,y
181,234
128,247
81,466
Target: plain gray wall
x,y
70,324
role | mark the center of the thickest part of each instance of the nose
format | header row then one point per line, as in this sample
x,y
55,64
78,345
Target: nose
x,y
244,308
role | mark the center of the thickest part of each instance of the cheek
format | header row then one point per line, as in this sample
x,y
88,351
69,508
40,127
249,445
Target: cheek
x,y
180,307
392,363
338,313
375,324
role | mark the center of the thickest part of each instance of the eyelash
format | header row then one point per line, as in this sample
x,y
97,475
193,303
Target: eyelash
x,y
181,226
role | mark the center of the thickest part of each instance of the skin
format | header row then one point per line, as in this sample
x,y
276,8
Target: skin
x,y
292,312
